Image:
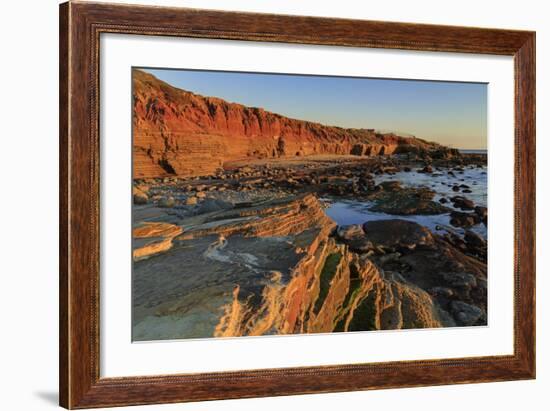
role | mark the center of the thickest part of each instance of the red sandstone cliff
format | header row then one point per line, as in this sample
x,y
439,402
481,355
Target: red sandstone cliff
x,y
180,133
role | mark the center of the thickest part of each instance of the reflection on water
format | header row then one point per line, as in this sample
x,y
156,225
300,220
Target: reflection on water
x,y
345,212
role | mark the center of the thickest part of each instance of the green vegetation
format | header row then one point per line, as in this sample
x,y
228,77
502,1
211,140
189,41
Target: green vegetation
x,y
364,316
354,289
327,274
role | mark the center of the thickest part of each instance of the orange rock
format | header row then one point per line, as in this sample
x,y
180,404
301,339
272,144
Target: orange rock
x,y
180,133
153,238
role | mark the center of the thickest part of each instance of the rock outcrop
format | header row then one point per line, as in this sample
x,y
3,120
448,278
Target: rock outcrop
x,y
180,133
281,266
332,290
153,238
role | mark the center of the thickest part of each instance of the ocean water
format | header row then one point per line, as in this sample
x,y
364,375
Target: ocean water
x,y
473,151
345,212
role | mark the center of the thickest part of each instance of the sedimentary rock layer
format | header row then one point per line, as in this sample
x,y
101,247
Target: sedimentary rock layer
x,y
176,132
281,266
153,238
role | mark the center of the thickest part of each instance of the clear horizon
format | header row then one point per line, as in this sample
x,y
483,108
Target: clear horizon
x,y
450,113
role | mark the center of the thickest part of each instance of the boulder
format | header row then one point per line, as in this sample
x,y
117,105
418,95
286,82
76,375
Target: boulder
x,y
191,200
441,292
397,234
475,244
390,185
349,232
167,202
463,203
406,201
460,280
474,240
459,219
466,314
482,213
354,237
140,197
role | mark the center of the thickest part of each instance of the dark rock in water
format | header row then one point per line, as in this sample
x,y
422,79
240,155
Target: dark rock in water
x,y
451,174
427,169
463,203
459,219
443,200
397,233
481,211
407,201
366,179
456,188
466,314
370,185
390,185
467,191
407,169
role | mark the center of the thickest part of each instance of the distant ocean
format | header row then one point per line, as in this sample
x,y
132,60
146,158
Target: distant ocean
x,y
473,151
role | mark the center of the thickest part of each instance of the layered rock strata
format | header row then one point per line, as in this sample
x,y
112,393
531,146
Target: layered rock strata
x,y
281,266
153,238
176,132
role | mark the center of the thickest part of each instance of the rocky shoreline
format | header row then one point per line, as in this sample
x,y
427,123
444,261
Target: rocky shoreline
x,y
251,249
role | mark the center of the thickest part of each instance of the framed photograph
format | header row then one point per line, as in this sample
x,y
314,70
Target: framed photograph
x,y
259,205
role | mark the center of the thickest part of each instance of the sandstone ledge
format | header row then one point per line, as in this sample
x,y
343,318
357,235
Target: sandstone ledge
x,y
280,267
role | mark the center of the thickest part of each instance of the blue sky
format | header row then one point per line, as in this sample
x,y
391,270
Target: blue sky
x,y
450,113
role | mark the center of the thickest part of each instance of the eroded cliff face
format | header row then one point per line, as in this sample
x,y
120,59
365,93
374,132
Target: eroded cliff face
x,y
180,133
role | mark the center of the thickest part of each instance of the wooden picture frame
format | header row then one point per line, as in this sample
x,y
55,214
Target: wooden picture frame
x,y
80,27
